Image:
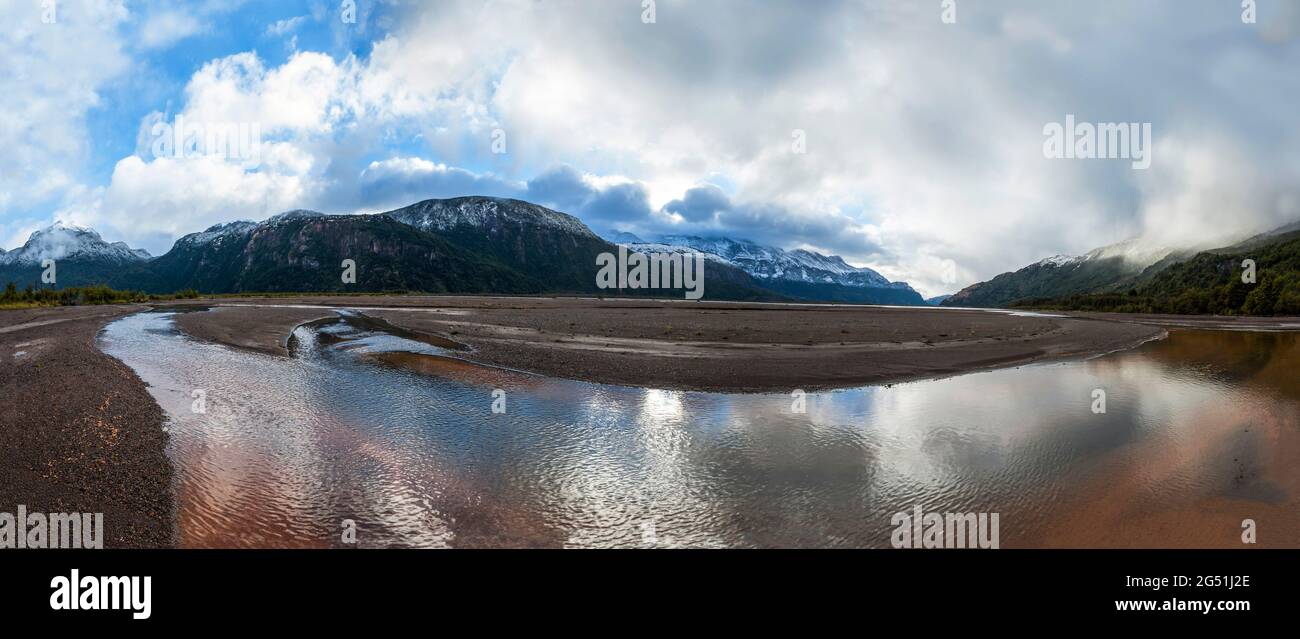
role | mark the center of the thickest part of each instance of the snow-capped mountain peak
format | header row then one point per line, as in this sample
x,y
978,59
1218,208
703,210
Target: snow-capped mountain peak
x,y
623,237
657,247
296,214
238,228
1058,260
771,263
218,232
61,241
482,212
1135,253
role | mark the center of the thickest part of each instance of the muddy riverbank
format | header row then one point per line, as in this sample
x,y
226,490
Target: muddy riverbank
x,y
81,432
697,346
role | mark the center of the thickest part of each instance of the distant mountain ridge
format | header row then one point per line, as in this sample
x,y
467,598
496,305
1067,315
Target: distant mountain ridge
x,y
80,255
61,241
1106,268
1129,277
486,212
798,273
767,262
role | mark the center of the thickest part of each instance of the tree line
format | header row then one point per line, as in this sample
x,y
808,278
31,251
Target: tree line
x,y
80,295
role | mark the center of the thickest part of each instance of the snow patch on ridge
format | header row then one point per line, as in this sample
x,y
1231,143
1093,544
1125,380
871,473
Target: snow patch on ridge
x,y
771,263
1136,253
218,232
61,241
485,211
1058,260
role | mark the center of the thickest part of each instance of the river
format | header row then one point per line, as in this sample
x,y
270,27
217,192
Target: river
x,y
363,430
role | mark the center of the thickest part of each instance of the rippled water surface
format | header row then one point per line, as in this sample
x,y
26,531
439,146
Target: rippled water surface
x,y
1200,432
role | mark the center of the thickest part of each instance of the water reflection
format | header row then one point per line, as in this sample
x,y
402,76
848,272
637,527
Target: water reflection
x,y
1200,432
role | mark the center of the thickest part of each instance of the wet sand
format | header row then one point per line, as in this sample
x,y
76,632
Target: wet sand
x,y
257,329
1208,322
81,433
697,346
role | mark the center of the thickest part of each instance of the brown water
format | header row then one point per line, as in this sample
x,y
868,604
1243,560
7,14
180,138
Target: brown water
x,y
1201,431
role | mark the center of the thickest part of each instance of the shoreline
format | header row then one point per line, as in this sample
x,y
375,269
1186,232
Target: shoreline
x,y
81,431
711,347
1202,322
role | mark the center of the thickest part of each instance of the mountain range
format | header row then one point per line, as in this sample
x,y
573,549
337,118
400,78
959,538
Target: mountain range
x,y
1107,268
459,245
799,274
483,245
1133,277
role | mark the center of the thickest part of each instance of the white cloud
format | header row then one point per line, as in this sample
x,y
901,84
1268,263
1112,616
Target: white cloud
x,y
308,94
282,27
48,87
150,201
149,204
923,138
165,28
1205,183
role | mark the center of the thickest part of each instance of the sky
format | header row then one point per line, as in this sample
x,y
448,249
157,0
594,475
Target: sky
x,y
907,136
